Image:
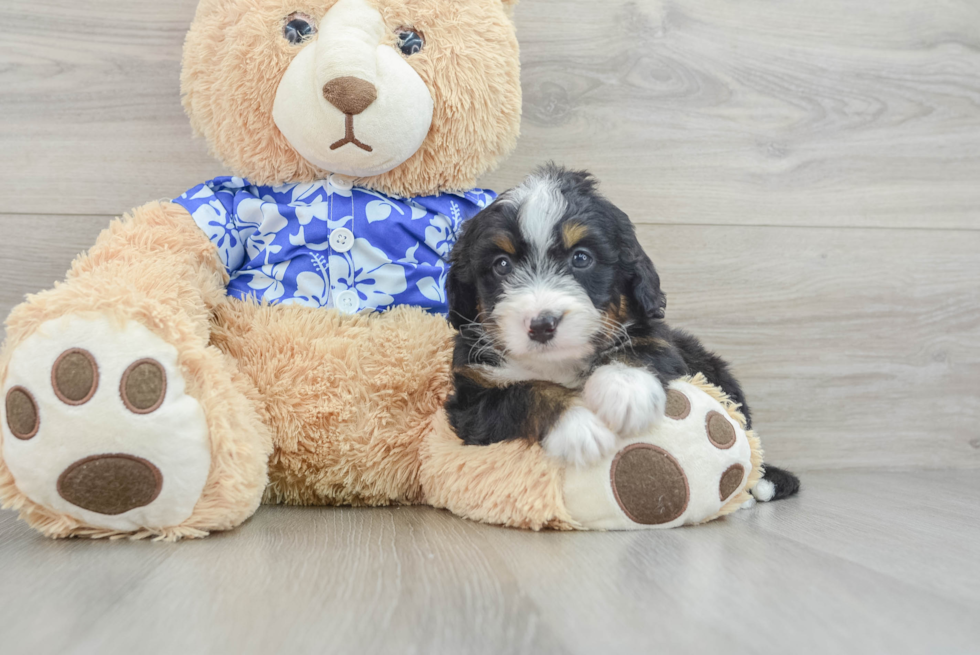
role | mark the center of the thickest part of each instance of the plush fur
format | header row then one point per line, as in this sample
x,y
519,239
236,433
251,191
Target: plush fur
x,y
561,332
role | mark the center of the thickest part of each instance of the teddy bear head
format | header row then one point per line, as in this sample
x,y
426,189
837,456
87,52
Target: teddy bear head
x,y
411,97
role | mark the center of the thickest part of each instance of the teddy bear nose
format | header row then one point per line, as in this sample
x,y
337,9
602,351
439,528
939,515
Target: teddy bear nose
x,y
351,95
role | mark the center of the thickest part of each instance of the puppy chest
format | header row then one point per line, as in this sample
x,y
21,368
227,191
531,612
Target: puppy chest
x,y
330,243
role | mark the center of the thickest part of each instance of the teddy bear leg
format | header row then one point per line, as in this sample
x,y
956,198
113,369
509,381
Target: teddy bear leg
x,y
118,416
692,467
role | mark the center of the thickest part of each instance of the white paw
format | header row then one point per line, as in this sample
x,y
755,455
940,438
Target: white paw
x,y
97,425
628,400
764,490
579,438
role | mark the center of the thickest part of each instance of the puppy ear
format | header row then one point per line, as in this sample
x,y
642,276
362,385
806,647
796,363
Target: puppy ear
x,y
650,300
642,280
461,295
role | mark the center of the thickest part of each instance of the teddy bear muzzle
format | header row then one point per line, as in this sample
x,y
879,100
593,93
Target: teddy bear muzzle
x,y
349,102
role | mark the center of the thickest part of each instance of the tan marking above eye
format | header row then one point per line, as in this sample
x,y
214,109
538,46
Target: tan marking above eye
x,y
649,485
731,479
22,415
678,406
75,376
143,386
572,233
503,242
720,430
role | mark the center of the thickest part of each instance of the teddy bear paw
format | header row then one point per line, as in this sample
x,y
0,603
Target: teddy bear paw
x,y
688,468
98,425
627,399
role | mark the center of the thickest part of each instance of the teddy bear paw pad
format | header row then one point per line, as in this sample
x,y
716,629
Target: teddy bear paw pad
x,y
98,425
681,471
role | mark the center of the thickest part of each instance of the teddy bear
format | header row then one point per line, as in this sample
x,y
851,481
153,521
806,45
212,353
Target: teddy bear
x,y
279,335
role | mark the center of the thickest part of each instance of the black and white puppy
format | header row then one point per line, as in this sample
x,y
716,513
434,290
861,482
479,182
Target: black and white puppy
x,y
561,338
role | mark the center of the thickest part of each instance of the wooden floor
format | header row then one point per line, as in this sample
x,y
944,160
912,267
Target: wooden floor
x,y
805,174
860,562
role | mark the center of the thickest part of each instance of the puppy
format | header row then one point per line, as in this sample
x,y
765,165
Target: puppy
x,y
561,338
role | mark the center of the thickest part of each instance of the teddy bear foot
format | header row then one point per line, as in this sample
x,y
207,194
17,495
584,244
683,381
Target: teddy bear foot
x,y
692,467
98,426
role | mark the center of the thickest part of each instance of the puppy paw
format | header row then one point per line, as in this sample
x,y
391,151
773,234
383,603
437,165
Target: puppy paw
x,y
627,399
579,437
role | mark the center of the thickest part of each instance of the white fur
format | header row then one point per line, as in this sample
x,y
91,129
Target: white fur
x,y
542,206
579,438
629,400
528,294
348,43
764,490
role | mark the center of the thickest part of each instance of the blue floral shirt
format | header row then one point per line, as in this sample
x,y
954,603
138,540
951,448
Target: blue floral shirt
x,y
329,244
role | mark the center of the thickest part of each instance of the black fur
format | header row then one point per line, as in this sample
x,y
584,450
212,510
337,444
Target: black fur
x,y
623,283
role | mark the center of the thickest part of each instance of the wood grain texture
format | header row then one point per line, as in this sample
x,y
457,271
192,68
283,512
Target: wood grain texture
x,y
857,347
834,112
41,249
846,567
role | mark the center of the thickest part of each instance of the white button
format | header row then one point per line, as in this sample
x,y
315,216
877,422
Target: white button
x,y
341,239
341,183
348,302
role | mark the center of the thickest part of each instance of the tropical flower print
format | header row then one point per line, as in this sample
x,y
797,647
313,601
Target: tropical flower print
x,y
313,242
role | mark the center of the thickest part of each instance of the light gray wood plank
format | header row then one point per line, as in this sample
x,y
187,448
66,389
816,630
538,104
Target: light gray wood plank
x,y
925,535
795,113
726,585
304,580
39,250
792,113
92,121
856,347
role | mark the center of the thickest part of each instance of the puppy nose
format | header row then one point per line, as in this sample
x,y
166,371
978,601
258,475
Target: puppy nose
x,y
542,328
351,95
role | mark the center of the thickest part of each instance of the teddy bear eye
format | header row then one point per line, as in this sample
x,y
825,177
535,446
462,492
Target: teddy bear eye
x,y
298,28
409,41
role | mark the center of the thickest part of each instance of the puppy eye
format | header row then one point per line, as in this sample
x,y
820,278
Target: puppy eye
x,y
581,259
502,266
298,28
409,41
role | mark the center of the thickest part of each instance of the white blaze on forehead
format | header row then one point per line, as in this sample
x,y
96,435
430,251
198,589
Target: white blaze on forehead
x,y
541,207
